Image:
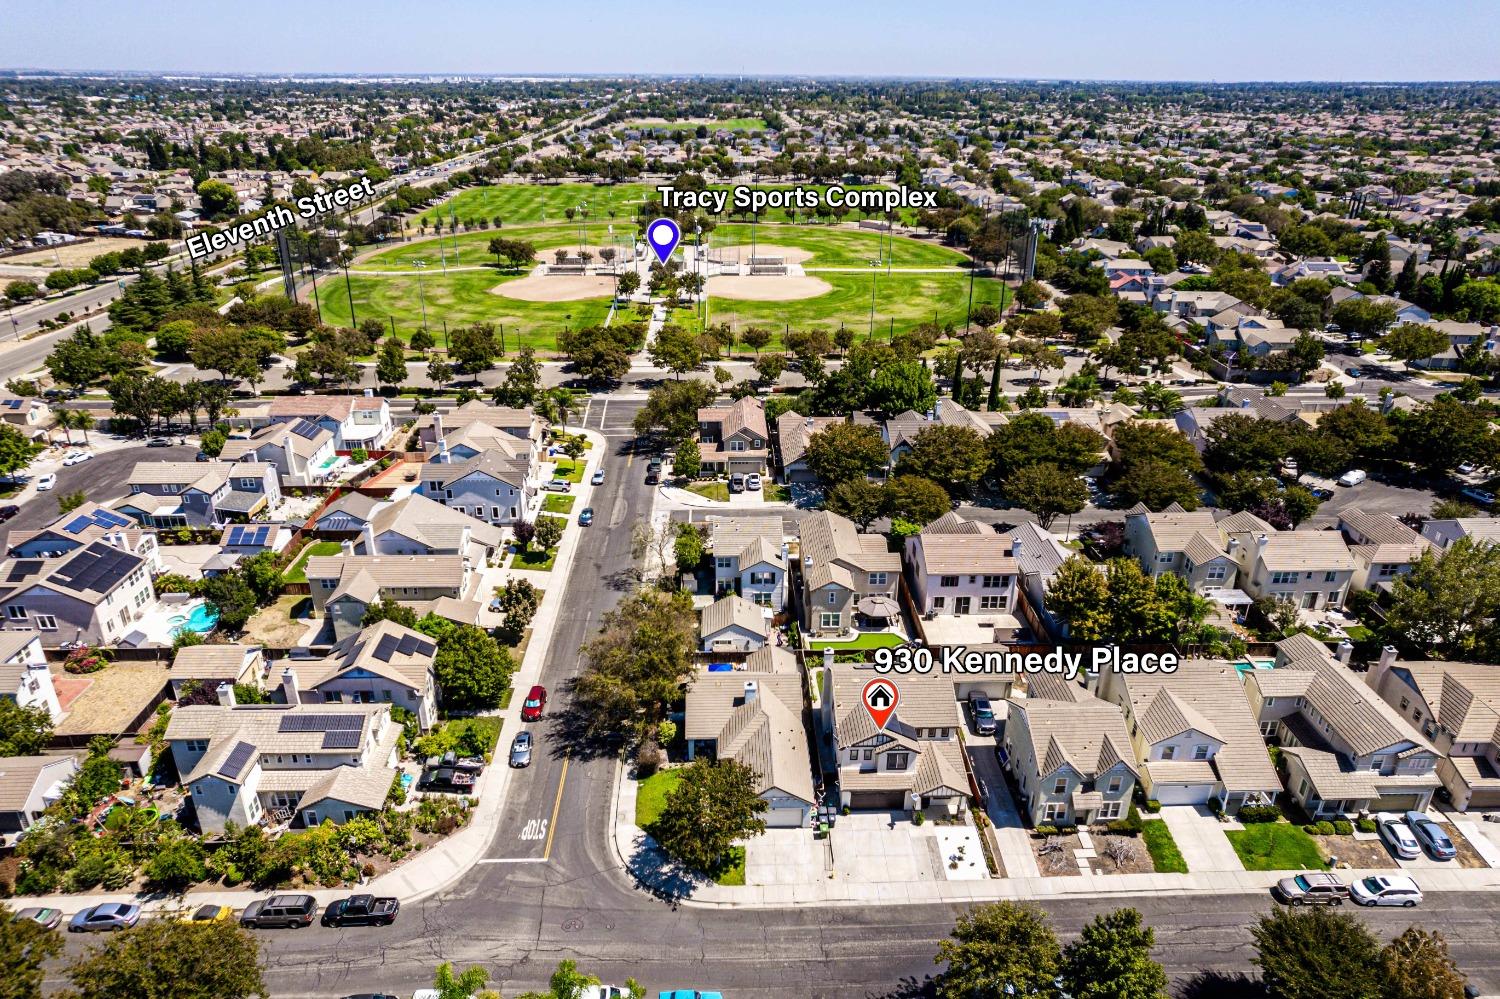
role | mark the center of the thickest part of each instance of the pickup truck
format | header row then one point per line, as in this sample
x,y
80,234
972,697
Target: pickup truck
x,y
361,910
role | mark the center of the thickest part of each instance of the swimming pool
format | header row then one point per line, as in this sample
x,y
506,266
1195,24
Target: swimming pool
x,y
1250,664
199,619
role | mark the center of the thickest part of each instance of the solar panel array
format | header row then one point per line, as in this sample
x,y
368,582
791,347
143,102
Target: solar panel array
x,y
406,645
340,740
321,723
13,403
23,568
96,568
304,428
234,763
249,535
106,519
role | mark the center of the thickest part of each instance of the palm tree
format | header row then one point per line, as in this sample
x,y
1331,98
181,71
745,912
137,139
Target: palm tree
x,y
556,405
83,420
65,420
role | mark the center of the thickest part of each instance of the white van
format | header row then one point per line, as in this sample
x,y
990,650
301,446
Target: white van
x,y
1353,477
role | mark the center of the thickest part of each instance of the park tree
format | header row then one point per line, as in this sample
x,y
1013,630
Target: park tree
x,y
900,386
1414,342
523,379
999,949
1316,953
677,349
955,457
1111,959
1031,294
755,337
1046,491
768,368
390,367
844,451
474,348
715,804
1417,965
1086,317
860,500
167,959
915,499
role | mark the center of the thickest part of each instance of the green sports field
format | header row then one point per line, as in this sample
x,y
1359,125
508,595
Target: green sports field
x,y
727,124
471,249
839,246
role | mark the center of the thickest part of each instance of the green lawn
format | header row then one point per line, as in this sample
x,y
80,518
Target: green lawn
x,y
713,489
558,503
569,470
651,795
867,640
470,248
835,246
727,124
732,871
537,561
776,493
1276,846
544,202
297,572
488,727
1165,856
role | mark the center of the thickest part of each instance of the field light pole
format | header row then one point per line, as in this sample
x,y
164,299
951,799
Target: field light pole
x,y
968,311
344,257
873,271
421,295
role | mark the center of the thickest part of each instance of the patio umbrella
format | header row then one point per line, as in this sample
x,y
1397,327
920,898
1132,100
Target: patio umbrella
x,y
879,606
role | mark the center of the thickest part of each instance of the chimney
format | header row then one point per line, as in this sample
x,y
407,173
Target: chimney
x,y
367,535
347,547
289,686
226,695
1387,657
1015,547
1234,544
291,457
369,393
752,691
1261,540
1345,650
828,656
443,455
437,426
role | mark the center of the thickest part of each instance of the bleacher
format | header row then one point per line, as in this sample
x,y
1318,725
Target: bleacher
x,y
768,265
568,270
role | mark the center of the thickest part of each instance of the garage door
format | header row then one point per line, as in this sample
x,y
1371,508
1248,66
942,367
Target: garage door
x,y
785,818
1484,799
1395,803
1181,794
877,799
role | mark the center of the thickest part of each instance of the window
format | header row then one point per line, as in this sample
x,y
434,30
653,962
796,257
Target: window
x,y
1302,789
1114,784
1053,811
1329,577
869,754
828,619
1405,703
762,578
494,513
990,601
1269,701
761,598
1268,728
877,579
723,562
833,597
328,584
758,443
1060,786
948,581
17,613
1283,578
897,761
1165,558
1216,573
1200,752
736,445
993,582
46,622
1376,762
1108,810
1168,752
937,603
333,697
1385,571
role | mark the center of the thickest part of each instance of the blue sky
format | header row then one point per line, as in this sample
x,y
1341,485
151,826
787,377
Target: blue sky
x,y
1085,39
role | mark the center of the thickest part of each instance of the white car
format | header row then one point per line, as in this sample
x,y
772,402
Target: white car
x,y
1386,889
78,458
1353,477
46,482
1398,836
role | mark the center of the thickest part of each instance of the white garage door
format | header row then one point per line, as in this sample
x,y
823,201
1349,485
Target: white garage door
x,y
785,818
1181,794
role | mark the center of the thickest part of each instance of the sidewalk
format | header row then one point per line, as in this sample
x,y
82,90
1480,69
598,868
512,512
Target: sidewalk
x,y
750,499
445,862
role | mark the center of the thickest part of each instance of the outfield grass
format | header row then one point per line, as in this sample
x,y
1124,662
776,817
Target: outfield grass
x,y
1165,856
459,297
727,124
471,249
651,795
1276,846
866,640
558,503
297,571
836,246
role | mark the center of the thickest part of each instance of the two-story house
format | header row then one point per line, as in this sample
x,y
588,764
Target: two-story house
x,y
913,764
487,422
24,676
209,665
1193,734
1071,757
839,567
1346,750
496,487
81,526
194,494
1382,546
416,525
732,624
303,452
386,663
1444,532
750,557
29,415
953,569
793,431
345,585
1312,569
356,421
91,595
278,764
1457,706
753,714
734,438
28,785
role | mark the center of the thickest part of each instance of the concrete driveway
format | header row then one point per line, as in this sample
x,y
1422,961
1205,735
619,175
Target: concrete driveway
x,y
785,857
1200,837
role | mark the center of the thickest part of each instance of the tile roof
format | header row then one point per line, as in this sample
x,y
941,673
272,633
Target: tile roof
x,y
950,554
1088,735
733,611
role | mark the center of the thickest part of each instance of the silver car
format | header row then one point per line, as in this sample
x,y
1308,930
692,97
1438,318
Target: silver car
x,y
109,916
1431,835
520,750
1397,836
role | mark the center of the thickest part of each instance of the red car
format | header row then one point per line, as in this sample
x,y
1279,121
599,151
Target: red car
x,y
531,708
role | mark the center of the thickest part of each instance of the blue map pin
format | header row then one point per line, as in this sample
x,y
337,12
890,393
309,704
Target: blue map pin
x,y
663,235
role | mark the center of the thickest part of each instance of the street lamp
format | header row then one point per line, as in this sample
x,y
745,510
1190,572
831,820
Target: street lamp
x,y
421,294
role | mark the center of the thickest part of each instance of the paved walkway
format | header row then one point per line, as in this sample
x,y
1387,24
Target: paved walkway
x,y
448,860
1200,838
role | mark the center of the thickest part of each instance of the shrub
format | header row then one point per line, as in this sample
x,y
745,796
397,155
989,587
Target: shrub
x,y
1153,806
1311,828
1046,829
1130,825
666,732
918,818
359,456
1252,814
1343,827
86,660
647,760
1325,828
1365,825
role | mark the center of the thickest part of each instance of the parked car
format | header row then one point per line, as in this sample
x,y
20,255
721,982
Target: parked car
x,y
50,918
603,992
520,750
535,704
106,917
158,442
449,780
377,995
1466,468
737,482
689,994
586,517
1386,889
1431,836
598,478
207,914
205,456
1397,836
1352,372
653,472
984,714
361,910
558,485
752,482
7,512
1481,496
46,482
280,910
1353,477
78,457
1311,889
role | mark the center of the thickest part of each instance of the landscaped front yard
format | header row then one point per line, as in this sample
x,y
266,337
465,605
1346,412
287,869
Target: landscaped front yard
x,y
1276,846
1165,856
568,469
867,640
712,489
558,503
651,795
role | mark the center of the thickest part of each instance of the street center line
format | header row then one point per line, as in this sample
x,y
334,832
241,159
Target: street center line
x,y
512,860
556,804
